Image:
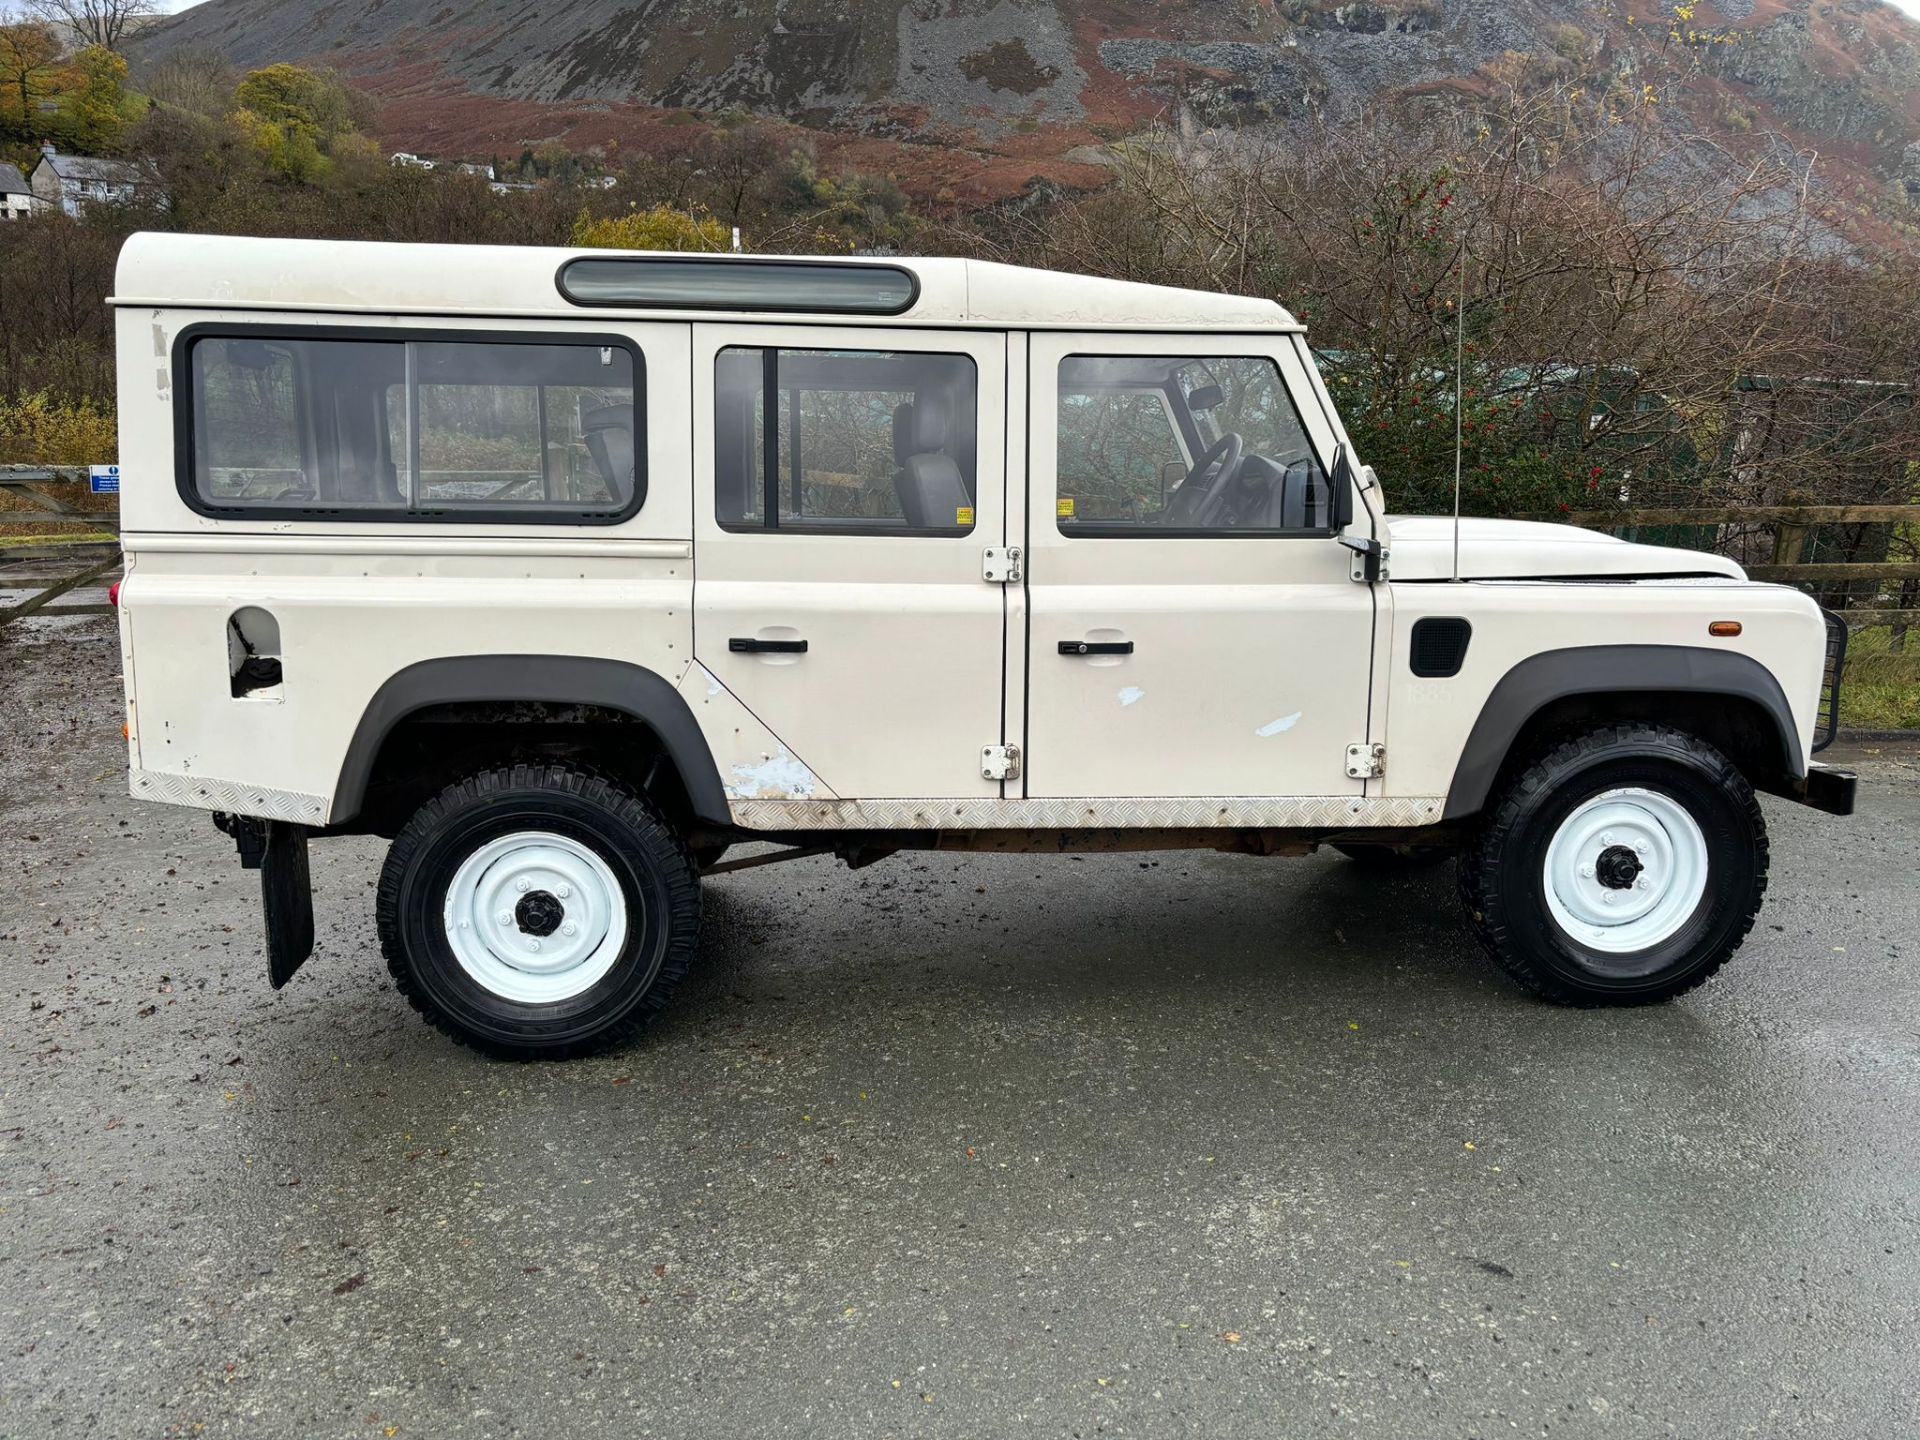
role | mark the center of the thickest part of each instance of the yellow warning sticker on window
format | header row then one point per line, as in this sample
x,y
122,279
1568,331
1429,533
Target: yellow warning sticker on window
x,y
1063,508
963,515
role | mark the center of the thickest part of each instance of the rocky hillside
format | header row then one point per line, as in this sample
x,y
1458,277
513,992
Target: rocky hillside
x,y
981,97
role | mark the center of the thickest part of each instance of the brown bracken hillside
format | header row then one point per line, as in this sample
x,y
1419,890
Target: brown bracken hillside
x,y
978,99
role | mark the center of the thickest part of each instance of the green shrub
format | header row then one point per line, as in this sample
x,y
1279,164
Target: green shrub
x,y
662,228
36,429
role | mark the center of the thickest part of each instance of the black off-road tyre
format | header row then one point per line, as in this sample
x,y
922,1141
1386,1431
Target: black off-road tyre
x,y
1402,858
656,877
1503,869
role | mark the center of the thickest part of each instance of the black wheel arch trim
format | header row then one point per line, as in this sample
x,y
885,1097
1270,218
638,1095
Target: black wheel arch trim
x,y
631,689
1539,680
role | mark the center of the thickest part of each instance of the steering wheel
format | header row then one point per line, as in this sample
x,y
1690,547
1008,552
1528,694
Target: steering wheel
x,y
1226,453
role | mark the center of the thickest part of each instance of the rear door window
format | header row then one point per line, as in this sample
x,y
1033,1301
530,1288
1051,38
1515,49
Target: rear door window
x,y
863,441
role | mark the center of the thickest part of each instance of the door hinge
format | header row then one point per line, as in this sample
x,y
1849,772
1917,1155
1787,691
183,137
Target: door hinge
x,y
1369,559
1365,761
1000,565
1000,762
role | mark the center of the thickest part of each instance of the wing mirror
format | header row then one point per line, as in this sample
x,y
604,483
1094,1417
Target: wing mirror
x,y
1340,482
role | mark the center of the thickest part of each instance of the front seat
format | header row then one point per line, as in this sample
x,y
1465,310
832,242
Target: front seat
x,y
931,489
608,431
1295,500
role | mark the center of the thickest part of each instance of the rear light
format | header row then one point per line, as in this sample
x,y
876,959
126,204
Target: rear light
x,y
113,594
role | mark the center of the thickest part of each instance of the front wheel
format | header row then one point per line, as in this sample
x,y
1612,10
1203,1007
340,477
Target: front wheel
x,y
1622,867
538,911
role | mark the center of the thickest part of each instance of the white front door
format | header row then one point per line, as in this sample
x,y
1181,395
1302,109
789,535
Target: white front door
x,y
1193,627
837,585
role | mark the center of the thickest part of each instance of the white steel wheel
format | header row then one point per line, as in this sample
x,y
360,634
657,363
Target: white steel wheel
x,y
536,917
526,853
1625,871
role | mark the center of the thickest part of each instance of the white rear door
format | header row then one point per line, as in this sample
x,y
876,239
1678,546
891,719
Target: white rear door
x,y
837,561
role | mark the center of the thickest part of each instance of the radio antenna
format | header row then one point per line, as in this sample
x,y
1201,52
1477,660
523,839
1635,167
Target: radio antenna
x,y
1459,396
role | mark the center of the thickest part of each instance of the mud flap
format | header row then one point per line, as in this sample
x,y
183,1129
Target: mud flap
x,y
286,898
278,850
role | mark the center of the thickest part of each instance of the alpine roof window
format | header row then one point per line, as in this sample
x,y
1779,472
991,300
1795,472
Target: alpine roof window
x,y
808,286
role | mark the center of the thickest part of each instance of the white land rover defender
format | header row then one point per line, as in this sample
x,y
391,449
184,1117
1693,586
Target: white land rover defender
x,y
569,570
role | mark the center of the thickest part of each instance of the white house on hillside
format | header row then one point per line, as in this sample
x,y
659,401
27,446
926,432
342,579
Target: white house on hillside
x,y
70,181
16,196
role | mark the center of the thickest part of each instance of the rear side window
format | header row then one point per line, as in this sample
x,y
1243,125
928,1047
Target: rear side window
x,y
862,442
413,427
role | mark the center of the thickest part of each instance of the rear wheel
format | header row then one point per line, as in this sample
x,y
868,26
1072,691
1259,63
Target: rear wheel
x,y
538,911
1623,866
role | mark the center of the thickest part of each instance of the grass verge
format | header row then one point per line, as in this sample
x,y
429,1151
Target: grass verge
x,y
1881,690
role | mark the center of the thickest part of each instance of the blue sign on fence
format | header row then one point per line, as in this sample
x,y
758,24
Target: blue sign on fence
x,y
104,479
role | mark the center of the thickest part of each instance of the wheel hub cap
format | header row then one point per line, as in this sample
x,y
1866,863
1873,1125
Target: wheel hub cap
x,y
538,913
1617,867
1625,871
536,917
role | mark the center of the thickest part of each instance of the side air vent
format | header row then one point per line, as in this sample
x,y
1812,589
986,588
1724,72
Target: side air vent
x,y
1440,646
1826,724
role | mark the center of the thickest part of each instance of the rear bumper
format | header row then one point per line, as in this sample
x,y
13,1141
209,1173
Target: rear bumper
x,y
1826,788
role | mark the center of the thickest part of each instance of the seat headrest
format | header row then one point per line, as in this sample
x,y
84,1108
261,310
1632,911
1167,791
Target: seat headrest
x,y
902,431
608,431
932,414
608,417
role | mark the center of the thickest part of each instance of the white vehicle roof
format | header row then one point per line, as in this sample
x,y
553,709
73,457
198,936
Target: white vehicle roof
x,y
227,272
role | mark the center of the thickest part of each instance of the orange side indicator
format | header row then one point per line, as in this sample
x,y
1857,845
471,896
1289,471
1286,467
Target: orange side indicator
x,y
1724,628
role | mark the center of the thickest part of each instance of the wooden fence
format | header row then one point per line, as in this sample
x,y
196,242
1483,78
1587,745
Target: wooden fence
x,y
1792,524
95,549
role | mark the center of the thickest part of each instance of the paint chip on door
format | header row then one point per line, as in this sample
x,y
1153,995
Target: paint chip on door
x,y
1274,727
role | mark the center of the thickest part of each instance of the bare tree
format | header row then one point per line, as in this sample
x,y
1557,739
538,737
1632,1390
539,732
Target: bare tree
x,y
1647,319
198,80
94,22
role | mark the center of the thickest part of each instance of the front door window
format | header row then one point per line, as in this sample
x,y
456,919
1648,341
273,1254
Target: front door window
x,y
1163,444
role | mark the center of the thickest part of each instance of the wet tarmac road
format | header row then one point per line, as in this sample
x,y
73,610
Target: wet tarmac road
x,y
951,1146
